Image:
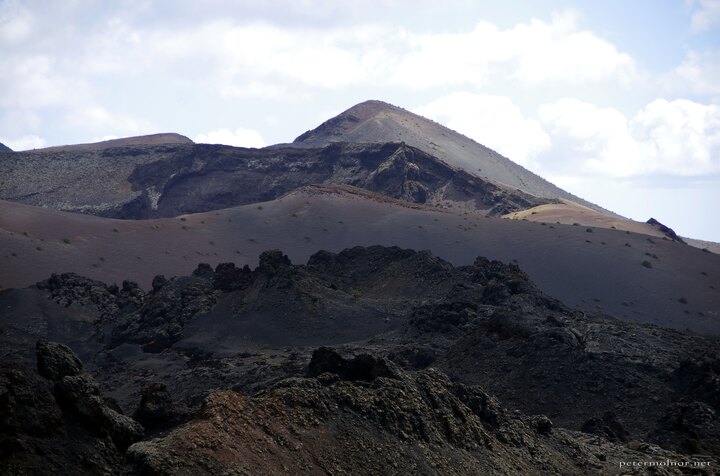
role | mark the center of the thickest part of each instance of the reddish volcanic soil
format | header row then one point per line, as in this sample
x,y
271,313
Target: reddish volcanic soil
x,y
628,275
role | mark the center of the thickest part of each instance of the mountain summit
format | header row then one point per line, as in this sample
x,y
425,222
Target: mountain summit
x,y
378,121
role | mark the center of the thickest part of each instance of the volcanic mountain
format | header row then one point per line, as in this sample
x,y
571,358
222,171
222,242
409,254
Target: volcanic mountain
x,y
144,181
4,148
361,301
377,121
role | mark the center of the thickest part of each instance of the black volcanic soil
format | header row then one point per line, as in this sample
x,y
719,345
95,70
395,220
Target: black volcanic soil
x,y
195,348
146,181
600,271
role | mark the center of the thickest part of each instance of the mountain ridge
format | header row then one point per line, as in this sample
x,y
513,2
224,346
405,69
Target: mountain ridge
x,y
375,120
149,139
149,181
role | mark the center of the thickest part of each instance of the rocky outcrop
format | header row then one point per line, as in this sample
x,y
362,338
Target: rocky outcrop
x,y
483,324
406,423
156,410
689,427
669,232
68,288
362,367
172,303
79,394
607,426
56,361
57,421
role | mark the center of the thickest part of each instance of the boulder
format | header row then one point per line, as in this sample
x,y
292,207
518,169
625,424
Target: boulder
x,y
55,361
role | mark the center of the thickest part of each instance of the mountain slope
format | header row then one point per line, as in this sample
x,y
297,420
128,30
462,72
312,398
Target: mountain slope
x,y
4,148
151,139
377,121
147,181
628,275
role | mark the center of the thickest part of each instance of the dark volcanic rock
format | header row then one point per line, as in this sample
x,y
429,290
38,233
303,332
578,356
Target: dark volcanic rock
x,y
26,403
156,405
689,427
4,148
38,437
700,379
79,394
175,179
483,324
669,232
55,361
228,277
203,271
159,322
413,423
362,367
273,260
158,282
68,288
607,426
60,426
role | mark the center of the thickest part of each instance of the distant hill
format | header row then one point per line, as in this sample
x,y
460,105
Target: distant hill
x,y
4,148
377,121
152,139
144,181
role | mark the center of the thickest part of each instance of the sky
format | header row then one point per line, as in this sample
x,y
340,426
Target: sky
x,y
615,101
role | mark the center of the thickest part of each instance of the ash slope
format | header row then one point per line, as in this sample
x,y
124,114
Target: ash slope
x,y
628,275
152,139
377,121
247,330
146,181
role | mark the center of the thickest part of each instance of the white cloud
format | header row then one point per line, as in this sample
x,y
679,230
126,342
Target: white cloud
x,y
26,142
100,120
16,22
36,81
531,53
268,61
678,137
104,138
707,16
698,73
494,121
240,138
